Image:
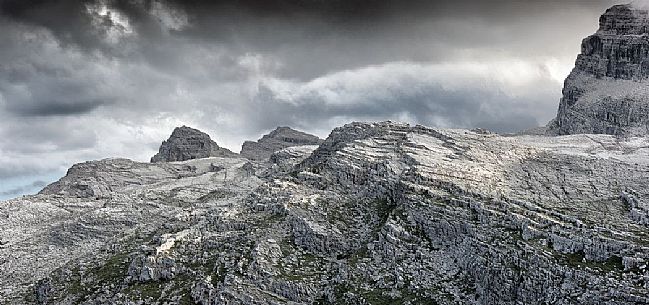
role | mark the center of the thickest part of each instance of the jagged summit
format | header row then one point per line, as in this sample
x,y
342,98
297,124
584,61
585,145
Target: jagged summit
x,y
608,90
278,139
186,143
619,49
624,19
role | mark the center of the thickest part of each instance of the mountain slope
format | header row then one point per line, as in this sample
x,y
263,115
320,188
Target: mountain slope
x,y
380,212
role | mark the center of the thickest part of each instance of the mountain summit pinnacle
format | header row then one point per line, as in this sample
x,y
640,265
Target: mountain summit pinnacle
x,y
280,138
187,143
608,90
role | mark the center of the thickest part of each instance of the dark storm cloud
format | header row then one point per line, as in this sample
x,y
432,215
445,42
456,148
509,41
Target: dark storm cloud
x,y
68,20
315,36
311,38
89,79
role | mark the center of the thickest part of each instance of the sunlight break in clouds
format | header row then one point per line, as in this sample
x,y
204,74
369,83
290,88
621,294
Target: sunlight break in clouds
x,y
116,24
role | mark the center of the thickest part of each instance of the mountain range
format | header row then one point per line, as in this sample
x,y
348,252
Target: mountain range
x,y
376,213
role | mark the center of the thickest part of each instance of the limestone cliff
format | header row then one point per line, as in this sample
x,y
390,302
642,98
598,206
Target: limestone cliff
x,y
608,90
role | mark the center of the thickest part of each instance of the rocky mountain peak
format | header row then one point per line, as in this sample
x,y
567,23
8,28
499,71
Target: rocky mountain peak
x,y
606,92
278,139
185,130
619,49
186,143
289,134
624,19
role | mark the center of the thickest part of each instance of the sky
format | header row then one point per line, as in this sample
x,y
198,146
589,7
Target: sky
x,y
86,80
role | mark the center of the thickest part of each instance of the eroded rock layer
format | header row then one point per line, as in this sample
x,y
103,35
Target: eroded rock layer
x,y
378,213
608,90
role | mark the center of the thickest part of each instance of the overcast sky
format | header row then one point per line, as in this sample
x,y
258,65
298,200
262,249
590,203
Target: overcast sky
x,y
84,80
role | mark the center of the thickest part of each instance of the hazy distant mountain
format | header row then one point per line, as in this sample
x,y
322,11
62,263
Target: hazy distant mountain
x,y
280,138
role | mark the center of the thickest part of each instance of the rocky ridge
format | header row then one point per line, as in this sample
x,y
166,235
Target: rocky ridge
x,y
187,143
278,139
608,90
379,212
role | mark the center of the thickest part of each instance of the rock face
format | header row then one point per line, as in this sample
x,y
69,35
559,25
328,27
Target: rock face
x,y
286,159
101,179
608,90
187,143
378,213
278,139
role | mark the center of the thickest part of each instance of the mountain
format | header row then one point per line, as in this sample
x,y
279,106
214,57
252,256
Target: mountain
x,y
280,138
187,143
377,213
608,90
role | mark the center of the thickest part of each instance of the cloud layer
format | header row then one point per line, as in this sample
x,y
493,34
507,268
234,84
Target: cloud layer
x,y
84,80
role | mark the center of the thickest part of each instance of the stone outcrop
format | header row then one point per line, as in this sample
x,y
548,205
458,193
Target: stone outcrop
x,y
187,143
285,160
151,268
606,92
276,140
101,179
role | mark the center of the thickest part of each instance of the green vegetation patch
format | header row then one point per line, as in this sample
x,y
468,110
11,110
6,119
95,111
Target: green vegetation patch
x,y
145,291
114,269
578,259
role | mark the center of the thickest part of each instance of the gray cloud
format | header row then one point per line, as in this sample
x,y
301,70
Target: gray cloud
x,y
89,79
447,95
310,38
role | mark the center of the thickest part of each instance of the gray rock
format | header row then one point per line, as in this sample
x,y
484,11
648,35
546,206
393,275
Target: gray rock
x,y
101,179
379,212
278,139
151,268
187,143
284,161
606,91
